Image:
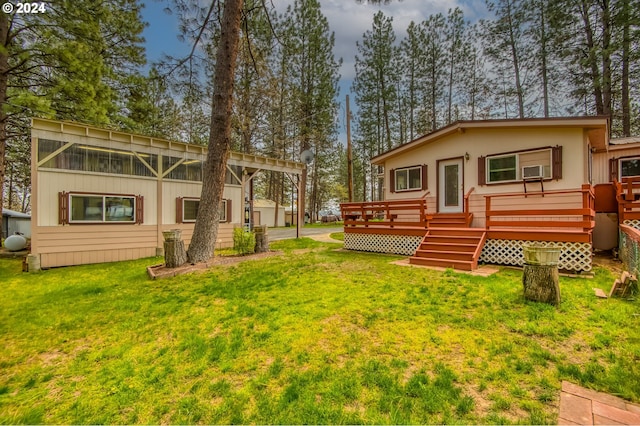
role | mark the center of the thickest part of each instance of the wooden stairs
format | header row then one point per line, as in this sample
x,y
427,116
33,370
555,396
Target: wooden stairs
x,y
450,243
449,220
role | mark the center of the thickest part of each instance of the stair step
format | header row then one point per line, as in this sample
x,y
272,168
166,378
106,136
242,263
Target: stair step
x,y
445,239
463,232
453,255
448,224
456,246
443,263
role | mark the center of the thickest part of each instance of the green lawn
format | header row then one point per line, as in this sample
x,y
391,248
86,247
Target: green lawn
x,y
313,336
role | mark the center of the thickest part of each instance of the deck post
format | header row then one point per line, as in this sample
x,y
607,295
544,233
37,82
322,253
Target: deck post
x,y
487,211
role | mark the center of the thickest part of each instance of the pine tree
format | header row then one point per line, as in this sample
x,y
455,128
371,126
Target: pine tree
x,y
412,63
314,88
505,46
376,95
205,230
435,67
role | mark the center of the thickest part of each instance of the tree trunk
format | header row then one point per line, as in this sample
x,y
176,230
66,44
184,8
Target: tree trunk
x,y
205,232
541,283
626,41
543,58
606,57
516,64
591,58
4,69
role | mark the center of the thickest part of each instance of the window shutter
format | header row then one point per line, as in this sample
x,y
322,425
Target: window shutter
x,y
482,174
556,156
613,169
424,177
228,211
392,180
179,210
63,208
139,209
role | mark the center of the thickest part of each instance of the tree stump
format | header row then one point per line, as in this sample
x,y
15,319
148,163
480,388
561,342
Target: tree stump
x,y
541,283
262,239
174,252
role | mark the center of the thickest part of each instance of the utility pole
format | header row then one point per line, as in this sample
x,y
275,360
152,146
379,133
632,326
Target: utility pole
x,y
349,154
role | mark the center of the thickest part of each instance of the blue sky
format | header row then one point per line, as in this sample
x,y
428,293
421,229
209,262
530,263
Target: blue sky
x,y
347,19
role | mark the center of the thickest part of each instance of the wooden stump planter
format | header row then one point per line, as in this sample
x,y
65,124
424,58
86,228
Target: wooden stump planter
x,y
540,277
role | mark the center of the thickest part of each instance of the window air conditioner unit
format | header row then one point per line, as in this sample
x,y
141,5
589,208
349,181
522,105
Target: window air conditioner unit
x,y
532,172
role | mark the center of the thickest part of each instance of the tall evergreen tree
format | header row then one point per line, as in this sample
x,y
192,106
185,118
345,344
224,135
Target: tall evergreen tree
x,y
314,88
505,46
375,87
435,68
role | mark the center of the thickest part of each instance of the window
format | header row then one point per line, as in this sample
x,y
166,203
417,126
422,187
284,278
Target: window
x,y
99,208
187,210
630,167
503,169
189,170
409,179
97,159
544,163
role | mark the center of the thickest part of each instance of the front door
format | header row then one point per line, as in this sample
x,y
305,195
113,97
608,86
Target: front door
x,y
450,196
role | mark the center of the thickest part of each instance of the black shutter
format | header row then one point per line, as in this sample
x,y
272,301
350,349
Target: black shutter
x,y
556,156
482,174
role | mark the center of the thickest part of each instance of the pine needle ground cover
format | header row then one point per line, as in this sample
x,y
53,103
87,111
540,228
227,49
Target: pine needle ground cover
x,y
313,336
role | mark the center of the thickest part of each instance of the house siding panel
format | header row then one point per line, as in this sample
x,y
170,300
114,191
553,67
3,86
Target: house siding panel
x,y
51,182
601,167
482,142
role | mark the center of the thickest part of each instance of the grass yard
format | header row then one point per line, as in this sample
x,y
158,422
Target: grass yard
x,y
312,336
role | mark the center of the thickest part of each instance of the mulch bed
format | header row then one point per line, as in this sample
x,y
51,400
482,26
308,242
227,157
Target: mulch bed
x,y
160,271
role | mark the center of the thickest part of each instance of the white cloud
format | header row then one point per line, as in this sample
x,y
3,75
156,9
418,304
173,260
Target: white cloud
x,y
350,20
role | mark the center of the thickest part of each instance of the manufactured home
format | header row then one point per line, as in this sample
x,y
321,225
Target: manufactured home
x,y
101,195
477,191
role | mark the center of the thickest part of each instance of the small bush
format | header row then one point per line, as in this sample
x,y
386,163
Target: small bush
x,y
243,242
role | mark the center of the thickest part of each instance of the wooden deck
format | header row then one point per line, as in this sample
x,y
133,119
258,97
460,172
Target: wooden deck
x,y
410,217
448,240
628,197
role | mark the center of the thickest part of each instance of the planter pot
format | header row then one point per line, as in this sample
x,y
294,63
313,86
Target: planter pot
x,y
535,254
172,235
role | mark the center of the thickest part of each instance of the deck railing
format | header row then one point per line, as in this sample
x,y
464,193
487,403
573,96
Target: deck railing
x,y
628,197
409,213
580,219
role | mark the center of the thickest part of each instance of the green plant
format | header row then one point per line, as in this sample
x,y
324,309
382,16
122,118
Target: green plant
x,y
244,242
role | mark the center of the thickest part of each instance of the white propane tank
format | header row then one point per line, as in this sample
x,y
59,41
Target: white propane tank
x,y
15,243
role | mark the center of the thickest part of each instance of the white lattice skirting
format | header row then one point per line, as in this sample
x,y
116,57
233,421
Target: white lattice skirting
x,y
573,257
397,244
632,223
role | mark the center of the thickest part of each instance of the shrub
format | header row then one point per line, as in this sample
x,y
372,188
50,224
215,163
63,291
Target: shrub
x,y
244,242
